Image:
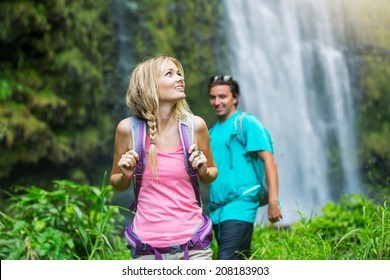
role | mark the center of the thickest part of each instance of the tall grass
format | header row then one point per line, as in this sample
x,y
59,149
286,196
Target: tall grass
x,y
352,229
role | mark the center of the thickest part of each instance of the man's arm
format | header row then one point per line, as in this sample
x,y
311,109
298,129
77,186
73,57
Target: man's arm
x,y
271,173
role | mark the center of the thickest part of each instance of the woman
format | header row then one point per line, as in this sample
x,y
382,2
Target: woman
x,y
168,213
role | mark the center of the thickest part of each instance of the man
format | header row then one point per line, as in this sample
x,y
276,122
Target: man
x,y
235,194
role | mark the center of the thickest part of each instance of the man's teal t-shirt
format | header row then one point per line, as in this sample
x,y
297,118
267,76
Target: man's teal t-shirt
x,y
236,177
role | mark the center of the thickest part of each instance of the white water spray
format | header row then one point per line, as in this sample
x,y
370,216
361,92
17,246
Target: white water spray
x,y
293,76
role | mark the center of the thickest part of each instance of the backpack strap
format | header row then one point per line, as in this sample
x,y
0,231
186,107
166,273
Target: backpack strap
x,y
240,133
187,138
138,132
240,129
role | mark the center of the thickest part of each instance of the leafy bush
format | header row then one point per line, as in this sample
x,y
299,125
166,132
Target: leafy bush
x,y
57,71
70,222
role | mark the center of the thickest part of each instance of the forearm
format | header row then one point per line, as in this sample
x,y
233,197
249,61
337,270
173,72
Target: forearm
x,y
271,175
272,180
120,182
209,176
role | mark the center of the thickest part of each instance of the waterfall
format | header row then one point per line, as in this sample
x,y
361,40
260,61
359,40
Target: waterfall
x,y
287,56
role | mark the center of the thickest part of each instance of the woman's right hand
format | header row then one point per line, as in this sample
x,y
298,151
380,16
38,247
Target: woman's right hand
x,y
128,162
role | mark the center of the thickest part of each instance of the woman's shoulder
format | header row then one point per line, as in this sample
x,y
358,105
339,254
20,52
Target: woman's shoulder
x,y
123,134
197,118
198,121
124,126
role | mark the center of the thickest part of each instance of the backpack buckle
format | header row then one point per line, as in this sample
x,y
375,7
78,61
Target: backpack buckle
x,y
190,243
175,249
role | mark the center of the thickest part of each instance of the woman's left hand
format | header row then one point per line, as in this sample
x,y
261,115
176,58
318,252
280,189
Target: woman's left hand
x,y
198,160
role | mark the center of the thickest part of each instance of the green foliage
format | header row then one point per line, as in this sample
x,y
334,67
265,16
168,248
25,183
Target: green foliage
x,y
77,222
55,80
368,33
71,222
353,229
375,104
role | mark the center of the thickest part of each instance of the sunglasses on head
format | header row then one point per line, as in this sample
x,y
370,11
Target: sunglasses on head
x,y
224,78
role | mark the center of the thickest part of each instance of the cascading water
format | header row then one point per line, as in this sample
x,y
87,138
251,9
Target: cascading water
x,y
293,76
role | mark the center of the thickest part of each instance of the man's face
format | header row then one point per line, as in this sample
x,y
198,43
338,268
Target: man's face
x,y
223,101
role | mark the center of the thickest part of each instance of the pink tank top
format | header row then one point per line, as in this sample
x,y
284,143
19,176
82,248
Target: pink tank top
x,y
167,210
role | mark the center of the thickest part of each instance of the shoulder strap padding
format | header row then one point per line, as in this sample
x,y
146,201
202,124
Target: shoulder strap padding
x,y
187,138
240,129
138,132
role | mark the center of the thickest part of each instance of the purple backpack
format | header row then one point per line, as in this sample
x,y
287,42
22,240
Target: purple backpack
x,y
202,237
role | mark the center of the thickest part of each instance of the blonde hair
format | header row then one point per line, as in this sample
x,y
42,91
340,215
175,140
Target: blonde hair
x,y
143,100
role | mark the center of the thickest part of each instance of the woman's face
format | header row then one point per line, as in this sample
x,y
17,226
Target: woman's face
x,y
170,86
